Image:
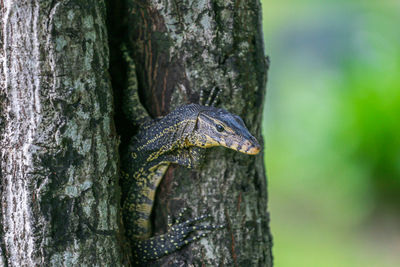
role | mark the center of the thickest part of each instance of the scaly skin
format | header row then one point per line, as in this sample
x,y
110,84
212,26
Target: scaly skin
x,y
177,138
180,137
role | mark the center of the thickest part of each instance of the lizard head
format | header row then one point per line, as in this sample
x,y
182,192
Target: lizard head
x,y
218,127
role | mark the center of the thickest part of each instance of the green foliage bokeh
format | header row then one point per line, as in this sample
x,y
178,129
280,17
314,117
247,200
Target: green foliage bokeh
x,y
332,131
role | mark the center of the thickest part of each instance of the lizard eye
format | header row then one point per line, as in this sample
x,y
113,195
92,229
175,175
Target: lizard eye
x,y
219,128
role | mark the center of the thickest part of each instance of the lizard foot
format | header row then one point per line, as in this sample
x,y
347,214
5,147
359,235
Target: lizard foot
x,y
177,237
212,97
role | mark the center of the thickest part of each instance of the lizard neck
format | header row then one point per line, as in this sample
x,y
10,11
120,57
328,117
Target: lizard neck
x,y
171,132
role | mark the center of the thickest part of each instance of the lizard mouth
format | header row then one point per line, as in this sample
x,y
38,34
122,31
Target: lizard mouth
x,y
253,150
246,147
250,148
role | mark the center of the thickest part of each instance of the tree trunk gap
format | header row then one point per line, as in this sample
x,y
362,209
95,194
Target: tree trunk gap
x,y
61,123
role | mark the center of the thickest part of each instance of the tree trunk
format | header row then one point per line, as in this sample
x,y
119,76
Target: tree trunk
x,y
181,48
58,147
59,203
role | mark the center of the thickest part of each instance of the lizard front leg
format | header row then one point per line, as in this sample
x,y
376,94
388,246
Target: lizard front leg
x,y
190,157
176,238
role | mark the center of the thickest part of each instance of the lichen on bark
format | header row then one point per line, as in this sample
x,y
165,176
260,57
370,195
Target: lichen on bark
x,y
59,159
59,201
181,48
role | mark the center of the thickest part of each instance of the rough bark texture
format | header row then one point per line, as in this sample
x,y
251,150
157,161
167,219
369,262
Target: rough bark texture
x,y
181,48
59,204
58,149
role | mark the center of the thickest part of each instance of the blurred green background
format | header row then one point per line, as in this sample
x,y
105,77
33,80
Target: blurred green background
x,y
332,131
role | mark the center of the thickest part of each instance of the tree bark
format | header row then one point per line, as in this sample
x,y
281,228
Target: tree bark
x,y
58,147
59,203
181,48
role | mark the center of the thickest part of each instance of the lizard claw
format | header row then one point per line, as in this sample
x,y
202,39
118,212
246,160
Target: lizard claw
x,y
212,97
177,237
